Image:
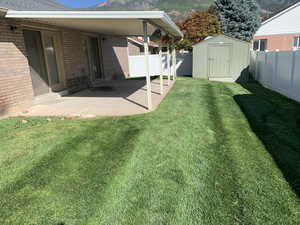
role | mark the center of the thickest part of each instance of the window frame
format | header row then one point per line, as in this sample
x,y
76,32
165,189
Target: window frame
x,y
297,43
259,45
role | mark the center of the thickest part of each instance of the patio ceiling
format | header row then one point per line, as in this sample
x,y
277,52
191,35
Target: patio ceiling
x,y
127,23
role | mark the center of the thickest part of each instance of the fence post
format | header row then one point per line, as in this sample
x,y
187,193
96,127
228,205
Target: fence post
x,y
274,77
292,74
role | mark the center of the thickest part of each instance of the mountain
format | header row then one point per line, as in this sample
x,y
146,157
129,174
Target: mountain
x,y
179,9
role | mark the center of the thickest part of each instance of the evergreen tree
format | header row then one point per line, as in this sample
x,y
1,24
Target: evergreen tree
x,y
238,18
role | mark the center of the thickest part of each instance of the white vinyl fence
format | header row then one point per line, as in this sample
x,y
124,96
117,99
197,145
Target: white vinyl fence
x,y
279,71
137,65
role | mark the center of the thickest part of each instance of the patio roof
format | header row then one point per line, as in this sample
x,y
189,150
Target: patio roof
x,y
127,23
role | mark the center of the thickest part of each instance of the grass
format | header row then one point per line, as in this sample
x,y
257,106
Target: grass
x,y
212,154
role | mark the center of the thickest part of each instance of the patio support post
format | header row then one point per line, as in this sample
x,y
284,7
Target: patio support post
x,y
174,60
161,71
169,66
146,52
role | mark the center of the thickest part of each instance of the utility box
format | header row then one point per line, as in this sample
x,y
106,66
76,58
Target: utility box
x,y
221,58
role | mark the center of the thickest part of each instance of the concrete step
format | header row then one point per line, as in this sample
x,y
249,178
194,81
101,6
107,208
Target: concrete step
x,y
49,97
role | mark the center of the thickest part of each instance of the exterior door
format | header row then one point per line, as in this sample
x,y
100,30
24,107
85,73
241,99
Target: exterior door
x,y
50,41
94,58
34,48
219,61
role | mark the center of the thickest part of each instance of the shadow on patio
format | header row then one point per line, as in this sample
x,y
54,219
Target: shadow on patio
x,y
108,98
276,121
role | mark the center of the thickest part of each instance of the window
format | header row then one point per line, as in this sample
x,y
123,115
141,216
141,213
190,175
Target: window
x,y
260,45
296,42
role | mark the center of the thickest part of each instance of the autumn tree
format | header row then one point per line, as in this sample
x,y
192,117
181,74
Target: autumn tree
x,y
196,27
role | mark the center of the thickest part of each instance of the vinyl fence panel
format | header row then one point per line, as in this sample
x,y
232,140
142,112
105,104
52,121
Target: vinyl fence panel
x,y
137,66
278,71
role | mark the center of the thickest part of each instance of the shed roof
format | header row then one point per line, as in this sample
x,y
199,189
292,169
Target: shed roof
x,y
220,35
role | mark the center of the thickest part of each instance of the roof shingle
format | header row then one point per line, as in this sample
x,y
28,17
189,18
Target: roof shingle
x,y
32,5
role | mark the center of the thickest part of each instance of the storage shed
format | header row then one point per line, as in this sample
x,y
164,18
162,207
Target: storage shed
x,y
221,58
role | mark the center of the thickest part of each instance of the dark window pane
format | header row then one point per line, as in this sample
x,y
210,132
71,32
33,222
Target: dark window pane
x,y
296,42
263,45
255,45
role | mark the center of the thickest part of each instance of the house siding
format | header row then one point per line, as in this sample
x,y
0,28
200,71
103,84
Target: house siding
x,y
280,42
16,91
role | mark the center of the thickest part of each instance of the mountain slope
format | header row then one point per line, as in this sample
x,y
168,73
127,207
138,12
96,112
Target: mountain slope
x,y
179,9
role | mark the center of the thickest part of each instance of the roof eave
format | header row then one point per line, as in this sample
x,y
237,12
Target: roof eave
x,y
3,12
142,15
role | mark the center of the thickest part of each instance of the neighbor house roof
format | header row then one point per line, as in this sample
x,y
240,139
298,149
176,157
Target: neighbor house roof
x,y
286,21
127,23
32,5
279,13
141,42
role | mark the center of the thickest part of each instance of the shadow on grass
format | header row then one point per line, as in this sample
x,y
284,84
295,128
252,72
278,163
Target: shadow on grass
x,y
86,162
276,121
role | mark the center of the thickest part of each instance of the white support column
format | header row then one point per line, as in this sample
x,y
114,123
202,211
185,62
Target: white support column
x,y
174,63
169,66
146,52
161,71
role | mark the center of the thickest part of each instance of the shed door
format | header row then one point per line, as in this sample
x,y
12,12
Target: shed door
x,y
219,61
36,60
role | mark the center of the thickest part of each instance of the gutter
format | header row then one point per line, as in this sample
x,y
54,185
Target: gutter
x,y
124,15
3,12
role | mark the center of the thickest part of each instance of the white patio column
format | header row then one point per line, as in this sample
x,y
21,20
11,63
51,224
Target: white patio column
x,y
169,66
174,63
146,52
161,71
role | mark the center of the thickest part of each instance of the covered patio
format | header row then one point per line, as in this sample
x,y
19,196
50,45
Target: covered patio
x,y
112,98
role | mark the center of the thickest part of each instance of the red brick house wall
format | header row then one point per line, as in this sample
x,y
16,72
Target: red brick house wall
x,y
16,91
281,42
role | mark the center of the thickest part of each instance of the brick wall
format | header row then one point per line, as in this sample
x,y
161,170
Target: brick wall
x,y
15,82
16,91
75,60
281,42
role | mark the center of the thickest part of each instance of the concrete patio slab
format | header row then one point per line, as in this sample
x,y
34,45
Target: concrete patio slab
x,y
113,98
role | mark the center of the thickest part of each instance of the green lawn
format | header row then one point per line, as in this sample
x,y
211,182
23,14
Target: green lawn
x,y
212,154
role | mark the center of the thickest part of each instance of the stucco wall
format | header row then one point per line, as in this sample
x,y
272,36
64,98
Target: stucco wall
x,y
133,49
115,57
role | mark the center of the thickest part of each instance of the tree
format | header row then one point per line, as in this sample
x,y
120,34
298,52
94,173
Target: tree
x,y
196,28
238,18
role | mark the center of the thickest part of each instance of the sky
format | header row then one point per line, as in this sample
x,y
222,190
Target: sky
x,y
80,3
